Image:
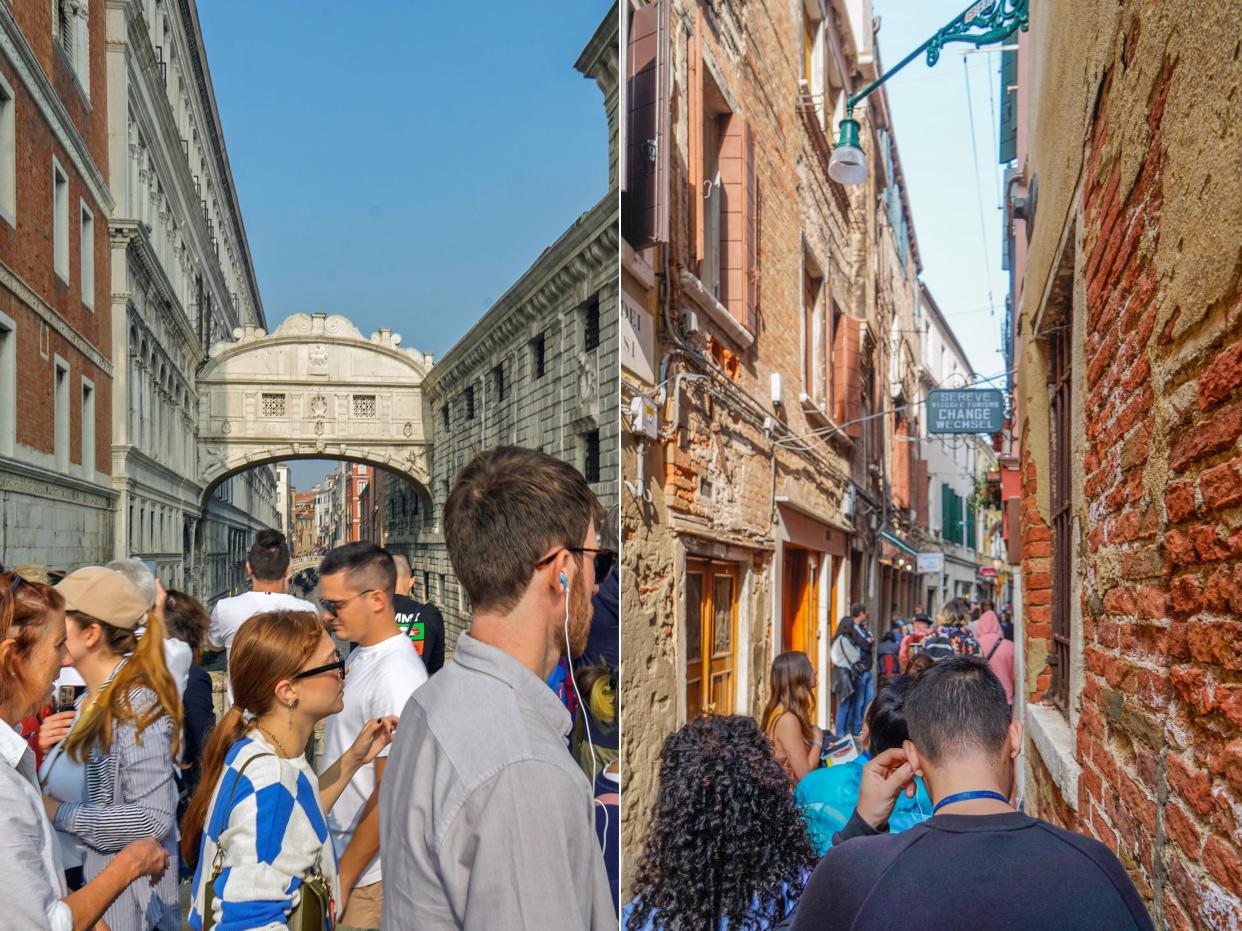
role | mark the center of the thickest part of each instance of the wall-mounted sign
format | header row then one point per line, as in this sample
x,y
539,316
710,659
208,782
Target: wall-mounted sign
x,y
931,562
637,338
965,410
987,572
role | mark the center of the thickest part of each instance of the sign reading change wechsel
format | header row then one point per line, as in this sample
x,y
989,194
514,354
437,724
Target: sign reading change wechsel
x,y
965,410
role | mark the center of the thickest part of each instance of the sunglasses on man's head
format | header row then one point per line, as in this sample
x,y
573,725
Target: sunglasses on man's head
x,y
337,666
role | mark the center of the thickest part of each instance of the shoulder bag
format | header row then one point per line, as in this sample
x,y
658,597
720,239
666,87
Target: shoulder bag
x,y
314,911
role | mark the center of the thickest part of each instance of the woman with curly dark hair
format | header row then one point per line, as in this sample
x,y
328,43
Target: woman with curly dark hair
x,y
728,848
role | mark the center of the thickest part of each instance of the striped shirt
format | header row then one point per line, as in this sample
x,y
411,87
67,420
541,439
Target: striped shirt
x,y
273,835
131,794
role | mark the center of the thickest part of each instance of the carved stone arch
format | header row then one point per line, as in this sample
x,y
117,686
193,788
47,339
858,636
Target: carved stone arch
x,y
315,387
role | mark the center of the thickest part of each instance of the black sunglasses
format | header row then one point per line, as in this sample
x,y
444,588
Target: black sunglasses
x,y
603,559
333,606
337,666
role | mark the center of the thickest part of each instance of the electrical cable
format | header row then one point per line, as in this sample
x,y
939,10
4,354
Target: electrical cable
x,y
974,151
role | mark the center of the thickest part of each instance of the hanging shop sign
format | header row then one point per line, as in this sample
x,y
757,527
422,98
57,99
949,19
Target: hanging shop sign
x,y
965,410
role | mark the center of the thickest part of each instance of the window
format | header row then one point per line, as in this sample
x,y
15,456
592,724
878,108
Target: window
x,y
8,154
60,221
498,381
86,235
272,405
591,456
444,416
8,385
88,428
725,201
364,405
1061,512
63,28
470,402
814,369
590,324
813,57
60,414
536,356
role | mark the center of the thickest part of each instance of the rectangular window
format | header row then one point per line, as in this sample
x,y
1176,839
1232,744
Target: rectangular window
x,y
814,369
272,405
88,429
1061,512
590,324
709,266
8,154
364,406
498,381
444,417
60,221
591,456
8,385
86,235
470,402
60,414
536,356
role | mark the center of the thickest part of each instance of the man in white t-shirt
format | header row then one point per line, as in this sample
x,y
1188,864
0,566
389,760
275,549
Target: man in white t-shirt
x,y
357,582
267,564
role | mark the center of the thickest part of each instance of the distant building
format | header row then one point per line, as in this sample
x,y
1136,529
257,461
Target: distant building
x,y
284,497
303,542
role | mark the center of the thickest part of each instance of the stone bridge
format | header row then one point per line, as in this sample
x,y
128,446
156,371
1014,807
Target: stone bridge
x,y
315,387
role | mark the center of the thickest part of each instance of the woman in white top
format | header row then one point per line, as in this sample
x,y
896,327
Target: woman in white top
x,y
33,895
264,830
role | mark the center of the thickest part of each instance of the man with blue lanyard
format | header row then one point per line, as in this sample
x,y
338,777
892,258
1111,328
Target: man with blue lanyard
x,y
964,745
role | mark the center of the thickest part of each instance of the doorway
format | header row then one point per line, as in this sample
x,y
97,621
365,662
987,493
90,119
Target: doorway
x,y
800,617
711,637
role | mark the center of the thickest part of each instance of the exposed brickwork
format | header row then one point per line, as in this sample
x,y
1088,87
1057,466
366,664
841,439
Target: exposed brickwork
x,y
1159,715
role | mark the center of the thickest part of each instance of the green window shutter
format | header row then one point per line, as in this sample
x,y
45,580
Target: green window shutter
x,y
970,525
946,511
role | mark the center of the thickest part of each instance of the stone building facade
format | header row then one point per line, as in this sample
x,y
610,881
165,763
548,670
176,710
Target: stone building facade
x,y
538,370
1129,416
770,379
182,279
56,368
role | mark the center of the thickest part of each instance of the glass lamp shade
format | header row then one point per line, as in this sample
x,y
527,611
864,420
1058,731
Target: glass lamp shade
x,y
848,164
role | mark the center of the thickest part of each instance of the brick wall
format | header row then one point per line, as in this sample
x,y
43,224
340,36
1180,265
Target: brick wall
x,y
1158,516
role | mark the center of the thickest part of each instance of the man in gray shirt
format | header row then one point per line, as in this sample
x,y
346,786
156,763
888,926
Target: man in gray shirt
x,y
484,815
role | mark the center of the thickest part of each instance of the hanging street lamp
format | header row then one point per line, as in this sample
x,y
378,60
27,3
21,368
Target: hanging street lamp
x,y
982,23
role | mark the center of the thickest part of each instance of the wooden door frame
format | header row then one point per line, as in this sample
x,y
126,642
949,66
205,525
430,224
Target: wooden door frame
x,y
712,569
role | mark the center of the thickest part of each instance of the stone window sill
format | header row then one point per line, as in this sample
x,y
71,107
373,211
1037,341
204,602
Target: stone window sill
x,y
717,311
1053,738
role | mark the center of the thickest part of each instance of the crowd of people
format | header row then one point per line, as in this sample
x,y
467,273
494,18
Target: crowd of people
x,y
758,825
120,782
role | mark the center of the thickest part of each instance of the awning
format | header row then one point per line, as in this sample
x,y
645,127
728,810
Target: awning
x,y
885,535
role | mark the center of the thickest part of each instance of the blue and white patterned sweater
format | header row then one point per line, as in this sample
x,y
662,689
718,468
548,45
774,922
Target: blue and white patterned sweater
x,y
272,837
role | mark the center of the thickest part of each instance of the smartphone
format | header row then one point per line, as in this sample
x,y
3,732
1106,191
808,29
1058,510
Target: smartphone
x,y
67,697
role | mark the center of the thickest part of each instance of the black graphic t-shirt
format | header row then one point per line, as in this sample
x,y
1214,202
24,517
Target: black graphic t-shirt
x,y
424,625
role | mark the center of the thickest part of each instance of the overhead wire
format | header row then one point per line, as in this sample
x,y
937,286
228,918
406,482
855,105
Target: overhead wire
x,y
974,151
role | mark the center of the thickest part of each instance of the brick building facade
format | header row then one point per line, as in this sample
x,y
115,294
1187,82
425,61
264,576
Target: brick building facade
x,y
56,500
1128,421
769,346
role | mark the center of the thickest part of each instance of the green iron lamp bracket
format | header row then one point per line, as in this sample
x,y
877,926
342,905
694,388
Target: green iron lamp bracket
x,y
982,23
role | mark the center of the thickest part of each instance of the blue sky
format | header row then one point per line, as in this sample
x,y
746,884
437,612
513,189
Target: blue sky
x,y
404,163
961,262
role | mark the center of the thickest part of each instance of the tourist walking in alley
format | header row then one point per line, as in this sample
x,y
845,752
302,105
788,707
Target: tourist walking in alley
x,y
788,719
964,745
728,848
